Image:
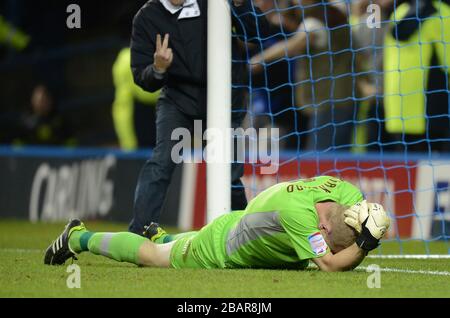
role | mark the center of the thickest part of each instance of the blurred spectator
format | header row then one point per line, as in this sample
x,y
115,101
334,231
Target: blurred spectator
x,y
416,60
279,13
368,50
74,63
43,125
133,109
272,100
12,37
324,73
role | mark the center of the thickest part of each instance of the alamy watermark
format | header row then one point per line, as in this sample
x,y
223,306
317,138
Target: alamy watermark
x,y
247,146
74,19
374,18
74,279
374,279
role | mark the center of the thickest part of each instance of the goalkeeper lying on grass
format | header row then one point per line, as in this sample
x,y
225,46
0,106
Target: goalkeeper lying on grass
x,y
322,219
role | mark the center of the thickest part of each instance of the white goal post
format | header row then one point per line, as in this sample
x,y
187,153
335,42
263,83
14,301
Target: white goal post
x,y
219,108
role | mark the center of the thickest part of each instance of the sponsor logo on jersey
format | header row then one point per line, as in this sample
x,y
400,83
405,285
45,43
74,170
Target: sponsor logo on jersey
x,y
318,244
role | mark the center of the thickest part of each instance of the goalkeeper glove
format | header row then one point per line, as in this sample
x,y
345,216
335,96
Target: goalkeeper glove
x,y
370,221
356,215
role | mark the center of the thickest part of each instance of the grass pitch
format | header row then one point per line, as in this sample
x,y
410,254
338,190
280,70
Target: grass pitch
x,y
23,274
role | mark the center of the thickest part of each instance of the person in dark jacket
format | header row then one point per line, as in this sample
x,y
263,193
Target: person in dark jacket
x,y
169,52
43,124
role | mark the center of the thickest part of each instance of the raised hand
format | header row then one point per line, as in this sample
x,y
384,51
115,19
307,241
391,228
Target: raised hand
x,y
163,56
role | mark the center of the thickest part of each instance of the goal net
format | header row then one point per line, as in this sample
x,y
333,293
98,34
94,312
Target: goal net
x,y
358,90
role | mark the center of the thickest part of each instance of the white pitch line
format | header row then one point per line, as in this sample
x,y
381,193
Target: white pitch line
x,y
359,268
411,256
407,271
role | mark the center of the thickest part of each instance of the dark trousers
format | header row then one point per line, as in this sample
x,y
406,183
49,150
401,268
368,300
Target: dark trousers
x,y
156,174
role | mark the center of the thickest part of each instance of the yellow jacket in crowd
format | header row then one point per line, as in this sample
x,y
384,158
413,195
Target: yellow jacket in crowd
x,y
126,94
406,68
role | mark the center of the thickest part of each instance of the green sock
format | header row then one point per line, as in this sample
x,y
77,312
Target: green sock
x,y
163,239
78,241
122,247
167,238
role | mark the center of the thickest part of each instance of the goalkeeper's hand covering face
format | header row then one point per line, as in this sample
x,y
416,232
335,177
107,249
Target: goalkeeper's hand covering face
x,y
370,220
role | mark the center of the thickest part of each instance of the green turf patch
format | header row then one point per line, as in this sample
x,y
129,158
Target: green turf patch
x,y
24,275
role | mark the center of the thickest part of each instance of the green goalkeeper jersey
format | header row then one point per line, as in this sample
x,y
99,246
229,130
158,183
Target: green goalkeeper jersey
x,y
278,229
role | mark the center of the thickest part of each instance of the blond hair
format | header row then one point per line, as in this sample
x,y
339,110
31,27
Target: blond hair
x,y
341,235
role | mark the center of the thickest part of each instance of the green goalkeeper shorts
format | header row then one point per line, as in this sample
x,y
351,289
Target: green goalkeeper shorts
x,y
204,249
181,255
